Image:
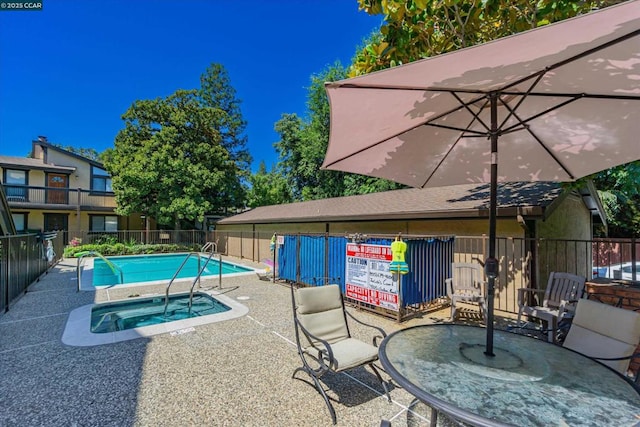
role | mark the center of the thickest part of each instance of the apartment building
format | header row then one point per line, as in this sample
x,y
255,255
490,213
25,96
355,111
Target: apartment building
x,y
57,190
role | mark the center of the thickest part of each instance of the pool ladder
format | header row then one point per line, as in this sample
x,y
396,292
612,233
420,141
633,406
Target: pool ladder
x,y
196,280
82,255
209,246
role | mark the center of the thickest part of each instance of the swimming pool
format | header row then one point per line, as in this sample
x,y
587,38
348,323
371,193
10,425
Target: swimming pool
x,y
123,315
138,269
123,320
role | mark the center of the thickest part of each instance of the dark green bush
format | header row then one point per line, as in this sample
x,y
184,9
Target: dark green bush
x,y
130,249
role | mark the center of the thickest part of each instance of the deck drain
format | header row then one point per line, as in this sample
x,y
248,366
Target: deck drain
x,y
242,298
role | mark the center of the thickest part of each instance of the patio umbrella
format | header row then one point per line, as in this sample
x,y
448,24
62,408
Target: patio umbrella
x,y
557,103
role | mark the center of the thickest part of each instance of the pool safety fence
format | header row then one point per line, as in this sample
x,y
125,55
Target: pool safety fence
x,y
195,238
523,262
315,260
23,259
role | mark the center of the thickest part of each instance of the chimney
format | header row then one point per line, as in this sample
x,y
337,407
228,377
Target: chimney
x,y
37,151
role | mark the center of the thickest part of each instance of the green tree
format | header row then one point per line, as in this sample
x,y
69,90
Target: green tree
x,y
620,194
169,161
216,91
267,188
416,29
303,144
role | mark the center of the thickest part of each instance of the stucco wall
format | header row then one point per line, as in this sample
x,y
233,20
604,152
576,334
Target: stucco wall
x,y
571,220
83,169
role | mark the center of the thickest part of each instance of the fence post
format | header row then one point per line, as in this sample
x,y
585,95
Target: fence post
x,y
78,208
326,259
298,257
275,258
633,259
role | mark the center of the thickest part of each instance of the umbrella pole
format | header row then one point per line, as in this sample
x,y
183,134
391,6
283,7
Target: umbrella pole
x,y
491,264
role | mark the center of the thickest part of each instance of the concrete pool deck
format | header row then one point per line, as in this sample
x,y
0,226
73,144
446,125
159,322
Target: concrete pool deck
x,y
231,373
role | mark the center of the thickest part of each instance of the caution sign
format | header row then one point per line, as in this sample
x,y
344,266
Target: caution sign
x,y
368,278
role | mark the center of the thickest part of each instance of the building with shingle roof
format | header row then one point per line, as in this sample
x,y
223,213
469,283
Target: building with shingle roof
x,y
525,209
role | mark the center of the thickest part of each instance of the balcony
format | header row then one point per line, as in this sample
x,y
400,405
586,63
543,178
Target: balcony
x,y
30,197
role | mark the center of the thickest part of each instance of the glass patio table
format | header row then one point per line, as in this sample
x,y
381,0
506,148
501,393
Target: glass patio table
x,y
528,382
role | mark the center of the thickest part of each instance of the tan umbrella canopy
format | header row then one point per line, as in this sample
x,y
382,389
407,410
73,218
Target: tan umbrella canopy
x,y
555,103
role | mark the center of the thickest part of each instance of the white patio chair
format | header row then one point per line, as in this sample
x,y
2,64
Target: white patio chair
x,y
560,296
466,285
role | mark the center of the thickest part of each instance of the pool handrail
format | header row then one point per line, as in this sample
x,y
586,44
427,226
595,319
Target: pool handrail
x,y
112,266
197,279
166,293
213,246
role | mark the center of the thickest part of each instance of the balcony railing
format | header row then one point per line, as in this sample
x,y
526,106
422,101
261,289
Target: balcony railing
x,y
30,196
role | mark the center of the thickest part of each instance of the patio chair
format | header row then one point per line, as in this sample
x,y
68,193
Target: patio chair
x,y
324,340
606,333
560,296
466,285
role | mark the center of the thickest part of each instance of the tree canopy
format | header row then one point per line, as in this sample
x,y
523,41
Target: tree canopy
x,y
267,188
303,144
416,29
183,156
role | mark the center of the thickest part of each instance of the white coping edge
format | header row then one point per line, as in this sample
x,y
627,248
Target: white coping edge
x,y
77,331
87,275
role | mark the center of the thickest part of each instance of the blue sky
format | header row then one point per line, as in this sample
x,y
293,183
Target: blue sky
x,y
71,70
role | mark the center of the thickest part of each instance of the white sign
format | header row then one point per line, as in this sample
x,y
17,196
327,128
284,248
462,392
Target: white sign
x,y
367,275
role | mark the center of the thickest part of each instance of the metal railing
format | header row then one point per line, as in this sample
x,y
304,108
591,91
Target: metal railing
x,y
523,262
28,196
201,269
196,238
23,260
166,294
82,255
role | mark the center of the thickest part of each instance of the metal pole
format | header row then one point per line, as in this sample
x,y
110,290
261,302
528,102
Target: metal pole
x,y
633,259
220,273
199,270
275,260
491,264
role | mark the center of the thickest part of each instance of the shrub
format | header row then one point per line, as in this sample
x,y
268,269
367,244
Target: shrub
x,y
122,249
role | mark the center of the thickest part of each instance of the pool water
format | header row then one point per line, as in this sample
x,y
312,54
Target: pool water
x,y
123,315
147,268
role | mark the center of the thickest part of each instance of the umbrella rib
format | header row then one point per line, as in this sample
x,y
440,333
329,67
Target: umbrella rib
x,y
519,103
426,123
444,157
535,116
475,115
503,90
540,142
574,95
475,132
575,57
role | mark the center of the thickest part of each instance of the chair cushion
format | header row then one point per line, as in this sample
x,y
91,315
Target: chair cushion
x,y
593,345
618,323
318,298
329,325
601,330
319,310
350,353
